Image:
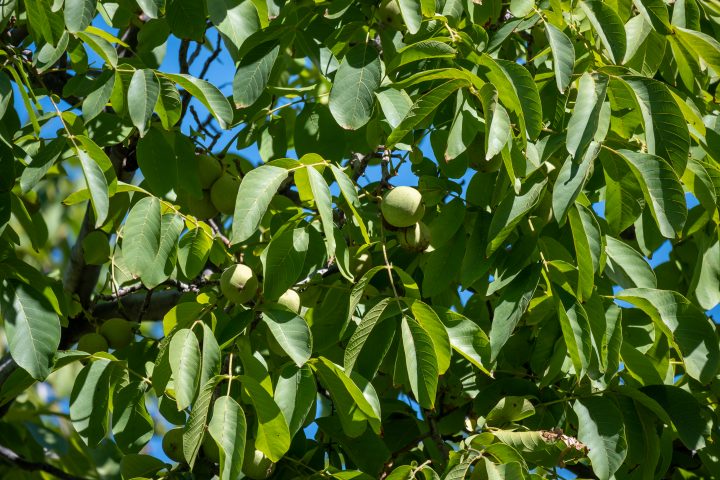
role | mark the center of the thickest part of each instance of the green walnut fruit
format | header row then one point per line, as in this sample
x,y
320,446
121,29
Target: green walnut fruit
x,y
224,192
209,170
402,207
118,332
389,14
202,208
238,283
255,464
172,444
415,238
291,300
210,448
92,343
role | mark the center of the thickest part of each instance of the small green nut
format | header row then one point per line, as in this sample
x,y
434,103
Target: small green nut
x,y
118,332
291,300
255,464
202,208
209,170
92,343
415,238
238,283
224,193
402,207
172,444
389,14
210,448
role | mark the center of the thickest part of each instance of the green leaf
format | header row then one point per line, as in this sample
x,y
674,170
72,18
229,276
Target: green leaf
x,y
141,235
132,426
685,412
194,250
78,14
575,328
467,338
609,27
353,92
90,401
511,306
283,261
228,428
165,257
666,132
195,428
295,394
273,436
235,20
701,44
168,107
421,362
656,13
395,104
253,73
429,320
208,95
422,50
498,130
323,203
257,189
684,324
211,355
662,190
143,94
571,180
362,332
423,108
600,427
587,240
100,46
411,11
351,406
152,8
524,92
626,267
583,125
563,55
32,328
96,101
186,19
140,466
185,366
512,210
291,332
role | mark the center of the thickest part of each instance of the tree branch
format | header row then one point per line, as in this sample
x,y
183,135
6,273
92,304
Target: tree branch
x,y
8,456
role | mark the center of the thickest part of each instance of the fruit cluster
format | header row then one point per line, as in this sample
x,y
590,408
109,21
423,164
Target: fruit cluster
x,y
403,208
220,182
114,333
239,285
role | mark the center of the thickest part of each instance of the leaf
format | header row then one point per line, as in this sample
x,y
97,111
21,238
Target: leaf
x,y
499,131
78,14
468,339
512,210
141,235
662,190
211,355
152,8
90,401
169,106
666,132
600,427
32,328
656,13
228,428
295,394
96,101
422,108
421,362
185,365
194,250
283,261
563,55
257,189
395,104
362,332
571,180
253,73
587,240
186,19
136,465
143,94
132,426
195,428
163,262
291,332
575,328
323,203
685,412
235,20
511,306
701,44
351,406
609,27
683,323
208,95
273,436
100,46
422,50
411,11
627,267
352,95
97,186
584,122
429,320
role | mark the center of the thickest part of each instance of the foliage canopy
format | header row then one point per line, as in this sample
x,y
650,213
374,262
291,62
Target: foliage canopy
x,y
514,323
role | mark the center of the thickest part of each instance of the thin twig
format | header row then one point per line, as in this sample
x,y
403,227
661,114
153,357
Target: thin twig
x,y
13,458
